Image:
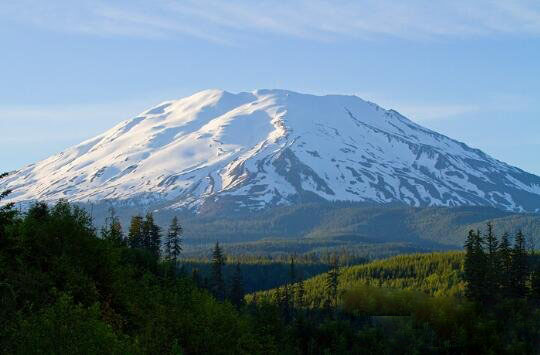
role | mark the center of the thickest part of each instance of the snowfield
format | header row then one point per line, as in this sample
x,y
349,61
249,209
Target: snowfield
x,y
272,147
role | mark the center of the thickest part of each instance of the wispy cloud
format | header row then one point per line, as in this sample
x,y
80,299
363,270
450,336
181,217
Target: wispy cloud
x,y
232,22
430,111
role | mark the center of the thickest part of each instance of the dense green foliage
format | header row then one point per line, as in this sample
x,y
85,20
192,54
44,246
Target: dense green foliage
x,y
436,274
421,296
66,289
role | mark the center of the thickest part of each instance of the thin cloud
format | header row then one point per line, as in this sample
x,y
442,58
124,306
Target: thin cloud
x,y
234,22
436,111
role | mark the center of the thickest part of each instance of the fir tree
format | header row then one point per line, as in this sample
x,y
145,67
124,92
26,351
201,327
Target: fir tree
x,y
135,234
292,271
173,243
492,266
505,265
300,293
112,230
237,287
332,281
290,287
218,283
7,213
151,235
535,285
520,266
475,267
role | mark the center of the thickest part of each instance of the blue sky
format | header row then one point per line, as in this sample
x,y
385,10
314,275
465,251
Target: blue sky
x,y
468,69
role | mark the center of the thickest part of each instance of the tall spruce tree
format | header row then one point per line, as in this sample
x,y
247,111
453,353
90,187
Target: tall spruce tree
x,y
475,267
218,283
300,292
7,213
535,285
292,271
492,267
505,266
151,235
173,243
155,239
291,286
520,266
135,234
332,281
237,287
112,230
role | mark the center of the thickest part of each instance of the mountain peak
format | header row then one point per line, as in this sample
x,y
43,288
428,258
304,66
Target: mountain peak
x,y
252,150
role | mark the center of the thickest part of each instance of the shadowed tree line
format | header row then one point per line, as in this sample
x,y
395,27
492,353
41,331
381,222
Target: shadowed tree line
x,y
67,288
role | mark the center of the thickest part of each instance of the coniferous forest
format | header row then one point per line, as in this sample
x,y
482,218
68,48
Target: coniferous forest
x,y
69,288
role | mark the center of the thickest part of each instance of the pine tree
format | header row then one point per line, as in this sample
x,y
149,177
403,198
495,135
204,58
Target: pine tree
x,y
155,239
292,271
135,234
7,213
535,285
173,243
475,267
332,281
112,230
520,266
218,283
291,285
300,293
505,265
151,235
492,280
237,288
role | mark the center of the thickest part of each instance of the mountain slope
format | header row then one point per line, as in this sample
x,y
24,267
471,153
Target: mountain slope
x,y
253,150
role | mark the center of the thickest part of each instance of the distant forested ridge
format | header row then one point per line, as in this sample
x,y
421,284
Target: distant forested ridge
x,y
318,227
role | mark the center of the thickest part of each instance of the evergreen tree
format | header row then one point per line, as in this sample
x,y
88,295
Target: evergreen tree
x,y
475,267
290,287
155,239
173,243
300,293
112,230
151,235
505,265
218,283
292,271
535,285
135,234
332,281
520,266
237,288
492,267
7,213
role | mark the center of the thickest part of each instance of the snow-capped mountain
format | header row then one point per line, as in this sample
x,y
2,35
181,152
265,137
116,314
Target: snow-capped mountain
x,y
273,147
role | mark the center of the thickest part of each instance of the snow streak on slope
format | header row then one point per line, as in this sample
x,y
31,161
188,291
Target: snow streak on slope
x,y
272,147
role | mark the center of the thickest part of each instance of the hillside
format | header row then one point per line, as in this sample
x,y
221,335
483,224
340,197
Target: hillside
x,y
317,227
435,274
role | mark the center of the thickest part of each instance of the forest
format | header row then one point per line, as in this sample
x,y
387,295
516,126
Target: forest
x,y
68,287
